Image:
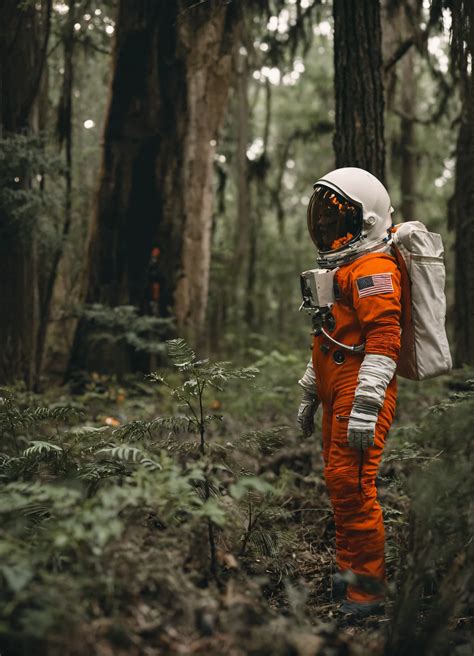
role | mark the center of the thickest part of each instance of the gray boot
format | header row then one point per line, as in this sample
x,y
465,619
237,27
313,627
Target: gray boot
x,y
361,609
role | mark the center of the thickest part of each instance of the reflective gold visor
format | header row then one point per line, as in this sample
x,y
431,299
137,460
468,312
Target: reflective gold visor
x,y
333,221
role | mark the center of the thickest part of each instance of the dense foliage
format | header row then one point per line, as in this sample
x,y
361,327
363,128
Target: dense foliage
x,y
184,529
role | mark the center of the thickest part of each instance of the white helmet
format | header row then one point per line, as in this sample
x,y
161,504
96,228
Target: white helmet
x,y
349,215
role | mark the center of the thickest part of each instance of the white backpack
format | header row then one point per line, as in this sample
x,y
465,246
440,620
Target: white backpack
x,y
424,345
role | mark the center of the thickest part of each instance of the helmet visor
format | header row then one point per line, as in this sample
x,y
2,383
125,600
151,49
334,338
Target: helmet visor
x,y
333,221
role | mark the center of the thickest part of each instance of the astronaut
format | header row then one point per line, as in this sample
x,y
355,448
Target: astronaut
x,y
352,369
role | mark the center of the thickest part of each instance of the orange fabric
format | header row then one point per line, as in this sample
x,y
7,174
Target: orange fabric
x,y
374,319
155,291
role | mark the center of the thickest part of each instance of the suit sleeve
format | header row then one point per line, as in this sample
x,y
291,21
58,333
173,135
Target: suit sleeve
x,y
376,294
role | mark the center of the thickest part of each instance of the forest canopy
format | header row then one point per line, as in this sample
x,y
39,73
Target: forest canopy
x,y
123,140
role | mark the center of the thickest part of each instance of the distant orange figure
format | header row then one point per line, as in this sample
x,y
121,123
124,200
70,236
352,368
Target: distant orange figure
x,y
154,280
357,312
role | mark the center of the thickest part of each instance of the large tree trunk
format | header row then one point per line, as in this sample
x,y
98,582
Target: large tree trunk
x,y
172,68
24,33
462,220
461,207
50,334
359,138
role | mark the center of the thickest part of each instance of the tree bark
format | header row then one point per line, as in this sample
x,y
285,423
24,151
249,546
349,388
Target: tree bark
x,y
462,220
400,80
359,136
172,67
461,206
24,32
64,131
243,226
408,138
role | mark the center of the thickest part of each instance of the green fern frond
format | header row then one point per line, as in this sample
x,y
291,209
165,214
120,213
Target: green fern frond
x,y
131,454
213,418
16,467
97,471
157,378
265,441
181,355
60,413
125,453
150,464
214,490
264,544
224,371
132,431
174,424
172,445
39,448
36,513
88,431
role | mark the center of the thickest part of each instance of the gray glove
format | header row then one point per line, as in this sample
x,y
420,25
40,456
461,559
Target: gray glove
x,y
309,403
376,372
361,428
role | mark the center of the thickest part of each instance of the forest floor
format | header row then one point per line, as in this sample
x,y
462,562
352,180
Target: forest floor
x,y
146,586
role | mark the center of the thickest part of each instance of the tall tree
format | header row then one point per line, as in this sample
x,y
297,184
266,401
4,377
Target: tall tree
x,y
172,68
400,31
359,135
64,131
24,31
462,203
244,216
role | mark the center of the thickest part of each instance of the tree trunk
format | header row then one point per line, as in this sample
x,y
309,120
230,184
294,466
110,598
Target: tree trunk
x,y
359,138
400,80
408,137
243,227
462,220
461,206
64,130
172,67
24,32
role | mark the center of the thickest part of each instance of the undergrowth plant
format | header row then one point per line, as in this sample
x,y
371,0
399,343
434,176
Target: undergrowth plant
x,y
77,500
437,575
203,375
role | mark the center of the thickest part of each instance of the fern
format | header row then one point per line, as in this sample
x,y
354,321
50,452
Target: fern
x,y
265,441
39,448
125,324
130,454
180,353
96,471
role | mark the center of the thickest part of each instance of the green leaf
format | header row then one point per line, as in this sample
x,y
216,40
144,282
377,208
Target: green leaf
x,y
16,576
180,353
212,509
246,484
41,448
126,453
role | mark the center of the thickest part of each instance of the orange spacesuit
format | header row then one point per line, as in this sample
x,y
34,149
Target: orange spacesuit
x,y
355,301
350,474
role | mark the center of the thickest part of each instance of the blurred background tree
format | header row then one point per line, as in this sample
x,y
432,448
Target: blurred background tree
x,y
216,120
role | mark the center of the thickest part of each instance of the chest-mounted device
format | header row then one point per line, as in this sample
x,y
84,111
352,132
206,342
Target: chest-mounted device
x,y
317,290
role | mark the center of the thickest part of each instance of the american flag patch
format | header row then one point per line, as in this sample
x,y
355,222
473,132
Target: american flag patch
x,y
379,283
